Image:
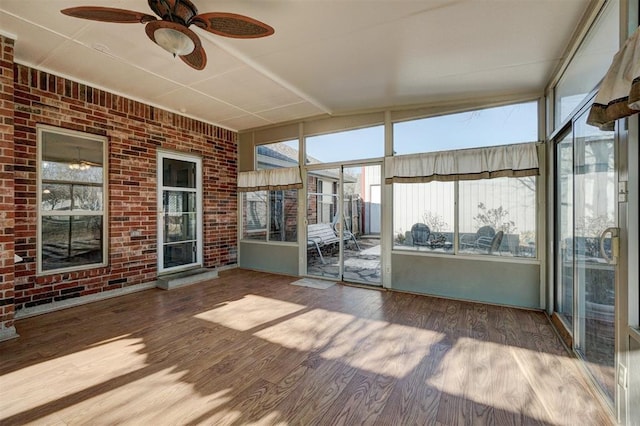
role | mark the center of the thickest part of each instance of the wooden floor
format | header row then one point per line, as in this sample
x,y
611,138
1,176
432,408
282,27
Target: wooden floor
x,y
249,348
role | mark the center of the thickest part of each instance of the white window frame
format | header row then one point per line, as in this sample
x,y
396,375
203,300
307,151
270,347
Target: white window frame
x,y
41,130
267,228
456,232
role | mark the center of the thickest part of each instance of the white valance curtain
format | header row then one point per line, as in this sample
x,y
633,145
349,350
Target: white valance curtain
x,y
619,93
270,179
468,164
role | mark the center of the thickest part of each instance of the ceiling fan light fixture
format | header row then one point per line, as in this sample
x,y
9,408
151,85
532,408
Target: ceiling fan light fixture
x,y
174,41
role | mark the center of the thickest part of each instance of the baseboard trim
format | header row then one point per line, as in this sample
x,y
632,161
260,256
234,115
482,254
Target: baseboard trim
x,y
227,267
8,333
82,300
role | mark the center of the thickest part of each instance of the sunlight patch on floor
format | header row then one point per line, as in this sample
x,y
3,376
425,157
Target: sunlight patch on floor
x,y
480,371
249,312
144,401
371,345
38,384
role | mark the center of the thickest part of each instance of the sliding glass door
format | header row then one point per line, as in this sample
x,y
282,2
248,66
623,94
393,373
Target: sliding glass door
x,y
343,223
595,227
564,228
586,245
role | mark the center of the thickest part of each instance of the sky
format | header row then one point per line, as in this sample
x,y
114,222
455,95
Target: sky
x,y
492,126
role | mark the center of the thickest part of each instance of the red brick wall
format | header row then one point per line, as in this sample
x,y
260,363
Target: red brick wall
x,y
312,201
6,189
135,132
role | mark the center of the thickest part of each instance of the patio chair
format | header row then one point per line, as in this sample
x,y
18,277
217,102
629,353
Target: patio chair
x,y
491,245
346,233
481,239
420,234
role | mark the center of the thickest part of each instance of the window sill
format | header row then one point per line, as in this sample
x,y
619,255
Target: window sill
x,y
465,256
277,243
71,269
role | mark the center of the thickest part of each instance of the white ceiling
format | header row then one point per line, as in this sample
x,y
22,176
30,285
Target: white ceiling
x,y
326,56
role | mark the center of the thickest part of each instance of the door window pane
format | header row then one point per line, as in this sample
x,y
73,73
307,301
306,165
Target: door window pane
x,y
179,254
178,173
179,201
323,243
179,227
564,233
596,210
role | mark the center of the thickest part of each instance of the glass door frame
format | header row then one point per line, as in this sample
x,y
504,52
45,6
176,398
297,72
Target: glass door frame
x,y
559,305
577,328
340,166
161,155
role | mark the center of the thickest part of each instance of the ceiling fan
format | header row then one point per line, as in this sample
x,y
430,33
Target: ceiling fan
x,y
171,31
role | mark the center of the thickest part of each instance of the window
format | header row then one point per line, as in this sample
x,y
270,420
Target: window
x,y
423,216
71,200
276,155
278,209
473,129
349,145
254,223
495,216
498,216
272,215
589,64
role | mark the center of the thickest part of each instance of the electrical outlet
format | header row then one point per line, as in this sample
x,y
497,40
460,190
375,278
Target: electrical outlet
x,y
622,376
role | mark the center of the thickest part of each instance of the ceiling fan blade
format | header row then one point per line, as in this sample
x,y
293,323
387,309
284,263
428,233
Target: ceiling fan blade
x,y
232,25
196,59
108,14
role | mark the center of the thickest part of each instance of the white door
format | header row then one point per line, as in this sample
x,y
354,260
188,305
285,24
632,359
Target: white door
x,y
179,211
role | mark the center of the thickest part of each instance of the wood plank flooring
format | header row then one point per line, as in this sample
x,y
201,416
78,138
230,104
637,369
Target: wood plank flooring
x,y
249,348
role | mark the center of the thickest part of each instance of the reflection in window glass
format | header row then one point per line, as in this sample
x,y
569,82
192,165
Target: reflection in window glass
x,y
277,155
71,209
71,241
346,146
590,63
474,129
283,213
498,216
254,215
423,216
564,228
178,173
180,254
279,209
